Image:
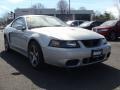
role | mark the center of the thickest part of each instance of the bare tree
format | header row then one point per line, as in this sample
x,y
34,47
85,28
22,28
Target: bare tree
x,y
38,6
117,5
4,18
62,6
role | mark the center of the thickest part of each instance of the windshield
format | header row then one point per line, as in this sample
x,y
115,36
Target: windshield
x,y
44,21
87,23
109,23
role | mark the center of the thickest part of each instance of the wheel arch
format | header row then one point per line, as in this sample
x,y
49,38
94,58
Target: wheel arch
x,y
40,47
5,36
33,40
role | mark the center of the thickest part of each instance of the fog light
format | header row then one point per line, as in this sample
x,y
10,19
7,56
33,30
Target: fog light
x,y
72,62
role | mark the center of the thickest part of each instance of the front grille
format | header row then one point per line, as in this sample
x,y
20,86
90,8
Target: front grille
x,y
93,59
91,43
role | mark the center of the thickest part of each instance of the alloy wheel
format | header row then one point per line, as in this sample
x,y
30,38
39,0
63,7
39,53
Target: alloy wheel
x,y
34,56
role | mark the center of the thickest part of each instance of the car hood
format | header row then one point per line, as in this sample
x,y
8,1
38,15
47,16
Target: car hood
x,y
67,33
84,26
102,27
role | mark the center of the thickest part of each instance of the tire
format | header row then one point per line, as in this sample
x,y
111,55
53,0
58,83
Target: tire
x,y
6,44
112,36
35,55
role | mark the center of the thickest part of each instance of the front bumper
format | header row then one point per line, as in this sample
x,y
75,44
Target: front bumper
x,y
76,57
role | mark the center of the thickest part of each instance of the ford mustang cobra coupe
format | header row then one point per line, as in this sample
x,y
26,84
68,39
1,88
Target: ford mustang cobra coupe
x,y
46,39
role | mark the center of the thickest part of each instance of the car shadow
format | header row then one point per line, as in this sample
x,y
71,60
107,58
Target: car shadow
x,y
94,77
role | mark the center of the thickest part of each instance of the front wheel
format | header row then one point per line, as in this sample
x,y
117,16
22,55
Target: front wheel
x,y
35,55
112,36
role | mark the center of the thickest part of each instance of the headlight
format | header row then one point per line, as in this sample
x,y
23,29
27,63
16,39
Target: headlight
x,y
64,44
104,41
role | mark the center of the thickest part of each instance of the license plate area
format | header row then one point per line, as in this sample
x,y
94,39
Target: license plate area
x,y
97,53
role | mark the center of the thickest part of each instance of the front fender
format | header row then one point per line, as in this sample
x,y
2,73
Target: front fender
x,y
43,40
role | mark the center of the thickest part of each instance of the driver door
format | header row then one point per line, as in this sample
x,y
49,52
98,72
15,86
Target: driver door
x,y
17,36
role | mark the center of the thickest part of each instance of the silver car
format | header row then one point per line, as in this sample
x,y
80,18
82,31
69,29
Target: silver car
x,y
46,39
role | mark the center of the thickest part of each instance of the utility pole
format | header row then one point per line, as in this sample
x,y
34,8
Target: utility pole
x,y
119,8
69,6
69,10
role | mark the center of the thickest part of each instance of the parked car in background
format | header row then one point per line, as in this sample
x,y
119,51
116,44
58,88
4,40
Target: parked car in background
x,y
75,23
90,24
46,39
110,29
1,27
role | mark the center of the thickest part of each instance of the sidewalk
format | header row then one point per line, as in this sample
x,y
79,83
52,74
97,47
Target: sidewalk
x,y
1,30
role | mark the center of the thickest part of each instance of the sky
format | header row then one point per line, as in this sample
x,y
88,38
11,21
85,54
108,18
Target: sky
x,y
96,5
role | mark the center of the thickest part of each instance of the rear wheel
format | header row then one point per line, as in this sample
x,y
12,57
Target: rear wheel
x,y
35,55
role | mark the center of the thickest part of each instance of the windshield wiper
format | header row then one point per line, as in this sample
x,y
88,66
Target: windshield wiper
x,y
38,27
46,26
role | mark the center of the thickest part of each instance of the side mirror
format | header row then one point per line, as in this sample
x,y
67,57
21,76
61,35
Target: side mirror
x,y
20,27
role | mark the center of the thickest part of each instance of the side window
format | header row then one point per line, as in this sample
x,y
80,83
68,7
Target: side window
x,y
18,22
99,23
93,24
75,23
80,22
96,23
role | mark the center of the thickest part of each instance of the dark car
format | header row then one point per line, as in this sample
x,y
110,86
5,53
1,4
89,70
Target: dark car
x,y
110,29
75,23
90,24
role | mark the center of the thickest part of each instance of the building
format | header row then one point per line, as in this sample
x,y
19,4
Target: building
x,y
73,15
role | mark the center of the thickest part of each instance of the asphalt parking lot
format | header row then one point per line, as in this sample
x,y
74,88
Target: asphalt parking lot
x,y
17,74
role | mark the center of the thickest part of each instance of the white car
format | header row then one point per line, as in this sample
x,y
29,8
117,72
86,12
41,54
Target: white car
x,y
75,23
46,39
